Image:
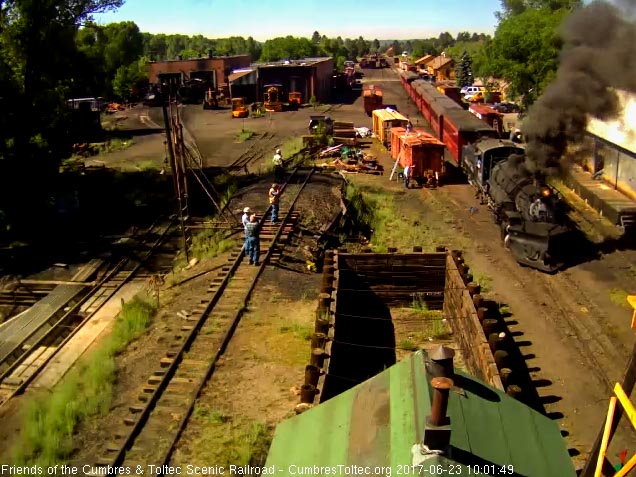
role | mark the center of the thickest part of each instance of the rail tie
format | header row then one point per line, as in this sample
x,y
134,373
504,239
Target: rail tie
x,y
155,423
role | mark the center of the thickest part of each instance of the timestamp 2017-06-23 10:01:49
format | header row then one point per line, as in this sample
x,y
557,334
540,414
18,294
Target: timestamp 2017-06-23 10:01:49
x,y
459,470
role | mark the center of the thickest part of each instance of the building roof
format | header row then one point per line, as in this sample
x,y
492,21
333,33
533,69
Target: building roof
x,y
378,423
290,63
439,61
424,59
199,59
239,74
389,115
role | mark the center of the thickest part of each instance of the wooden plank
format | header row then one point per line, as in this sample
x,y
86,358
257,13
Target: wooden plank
x,y
628,407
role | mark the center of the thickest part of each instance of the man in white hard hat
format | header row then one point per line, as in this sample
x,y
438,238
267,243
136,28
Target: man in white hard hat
x,y
245,219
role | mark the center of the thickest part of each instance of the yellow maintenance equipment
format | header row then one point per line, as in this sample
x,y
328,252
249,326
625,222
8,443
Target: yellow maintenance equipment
x,y
239,109
295,99
272,98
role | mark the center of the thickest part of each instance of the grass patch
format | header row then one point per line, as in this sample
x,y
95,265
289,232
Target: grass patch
x,y
433,324
115,144
504,310
147,166
484,281
387,215
419,304
301,330
206,244
408,345
46,436
291,146
619,297
227,439
244,135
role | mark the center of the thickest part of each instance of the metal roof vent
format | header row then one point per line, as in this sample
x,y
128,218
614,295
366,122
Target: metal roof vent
x,y
440,362
437,431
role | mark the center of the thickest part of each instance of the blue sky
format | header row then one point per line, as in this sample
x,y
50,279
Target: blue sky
x,y
387,19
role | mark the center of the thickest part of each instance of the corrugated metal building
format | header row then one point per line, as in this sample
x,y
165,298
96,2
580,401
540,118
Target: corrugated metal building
x,y
379,426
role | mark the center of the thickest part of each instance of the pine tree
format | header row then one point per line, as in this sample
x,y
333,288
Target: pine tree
x,y
464,71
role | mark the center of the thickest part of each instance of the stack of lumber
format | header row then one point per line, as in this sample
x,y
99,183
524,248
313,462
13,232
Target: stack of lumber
x,y
344,133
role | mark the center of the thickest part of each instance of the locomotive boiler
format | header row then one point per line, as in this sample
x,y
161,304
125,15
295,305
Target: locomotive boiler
x,y
529,212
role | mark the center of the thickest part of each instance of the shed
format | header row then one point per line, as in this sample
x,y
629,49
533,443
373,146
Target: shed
x,y
380,425
383,121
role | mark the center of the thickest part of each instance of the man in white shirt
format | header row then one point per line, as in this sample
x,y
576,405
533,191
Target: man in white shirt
x,y
278,166
407,175
245,219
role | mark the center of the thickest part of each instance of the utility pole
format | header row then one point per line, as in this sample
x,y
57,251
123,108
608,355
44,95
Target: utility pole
x,y
179,176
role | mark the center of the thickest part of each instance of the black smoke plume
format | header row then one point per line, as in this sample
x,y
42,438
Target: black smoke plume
x,y
598,55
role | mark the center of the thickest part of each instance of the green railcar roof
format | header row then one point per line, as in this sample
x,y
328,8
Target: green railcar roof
x,y
377,424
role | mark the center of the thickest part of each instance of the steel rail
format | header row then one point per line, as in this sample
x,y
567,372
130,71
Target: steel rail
x,y
142,415
52,333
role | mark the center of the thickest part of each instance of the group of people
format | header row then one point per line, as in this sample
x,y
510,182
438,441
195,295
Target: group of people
x,y
252,227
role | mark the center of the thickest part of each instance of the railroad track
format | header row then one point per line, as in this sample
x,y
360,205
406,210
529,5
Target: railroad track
x,y
34,350
254,152
155,422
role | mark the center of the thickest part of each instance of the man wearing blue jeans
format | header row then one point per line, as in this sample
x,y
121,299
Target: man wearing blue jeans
x,y
252,240
274,196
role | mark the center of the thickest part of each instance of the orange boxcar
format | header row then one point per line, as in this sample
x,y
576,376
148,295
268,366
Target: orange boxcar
x,y
421,150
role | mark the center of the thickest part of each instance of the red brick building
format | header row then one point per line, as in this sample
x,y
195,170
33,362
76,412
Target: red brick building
x,y
213,69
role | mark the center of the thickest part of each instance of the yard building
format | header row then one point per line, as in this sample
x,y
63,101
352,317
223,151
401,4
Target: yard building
x,y
441,68
214,69
308,76
606,175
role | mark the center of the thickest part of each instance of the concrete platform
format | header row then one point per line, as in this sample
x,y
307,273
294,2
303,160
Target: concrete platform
x,y
48,308
610,203
85,337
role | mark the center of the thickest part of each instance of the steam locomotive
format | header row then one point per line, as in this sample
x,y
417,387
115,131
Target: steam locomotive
x,y
529,212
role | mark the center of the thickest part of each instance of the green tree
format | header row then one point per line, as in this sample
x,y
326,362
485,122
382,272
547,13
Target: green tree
x,y
130,79
39,58
315,38
524,52
375,45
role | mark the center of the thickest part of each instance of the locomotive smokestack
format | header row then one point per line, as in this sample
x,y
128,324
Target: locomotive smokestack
x,y
597,56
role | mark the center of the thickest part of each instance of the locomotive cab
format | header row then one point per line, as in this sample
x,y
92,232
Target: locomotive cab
x,y
479,158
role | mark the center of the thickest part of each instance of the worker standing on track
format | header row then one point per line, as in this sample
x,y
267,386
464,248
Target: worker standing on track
x,y
252,240
274,197
278,166
245,219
